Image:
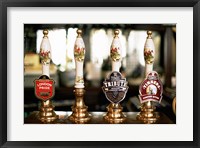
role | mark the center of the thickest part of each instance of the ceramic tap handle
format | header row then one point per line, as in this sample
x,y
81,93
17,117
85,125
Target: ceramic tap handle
x,y
149,53
115,52
79,55
45,53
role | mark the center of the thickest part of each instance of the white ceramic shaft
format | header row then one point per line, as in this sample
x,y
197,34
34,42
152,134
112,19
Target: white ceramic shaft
x,y
148,68
79,55
79,81
45,54
149,53
45,70
116,66
115,52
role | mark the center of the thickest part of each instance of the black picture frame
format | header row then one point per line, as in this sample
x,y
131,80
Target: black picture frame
x,y
4,4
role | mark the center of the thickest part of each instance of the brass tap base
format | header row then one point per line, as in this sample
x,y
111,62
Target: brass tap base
x,y
46,112
148,114
79,114
114,114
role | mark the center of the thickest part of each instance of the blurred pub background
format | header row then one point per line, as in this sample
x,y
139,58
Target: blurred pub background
x,y
97,64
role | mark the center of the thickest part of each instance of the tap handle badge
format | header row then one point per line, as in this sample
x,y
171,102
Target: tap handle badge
x,y
151,88
44,88
115,87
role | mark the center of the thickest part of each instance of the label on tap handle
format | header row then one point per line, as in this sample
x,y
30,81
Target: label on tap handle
x,y
115,87
151,88
44,88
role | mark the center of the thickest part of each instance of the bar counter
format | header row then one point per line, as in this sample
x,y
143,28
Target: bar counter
x,y
97,118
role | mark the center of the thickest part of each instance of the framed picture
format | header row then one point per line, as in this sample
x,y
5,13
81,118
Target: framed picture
x,y
15,15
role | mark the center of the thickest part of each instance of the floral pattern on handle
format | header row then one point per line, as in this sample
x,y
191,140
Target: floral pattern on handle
x,y
79,53
79,79
114,53
148,55
45,57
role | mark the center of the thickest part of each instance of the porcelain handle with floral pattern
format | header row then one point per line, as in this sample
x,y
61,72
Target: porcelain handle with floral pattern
x,y
45,53
79,55
115,52
149,53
